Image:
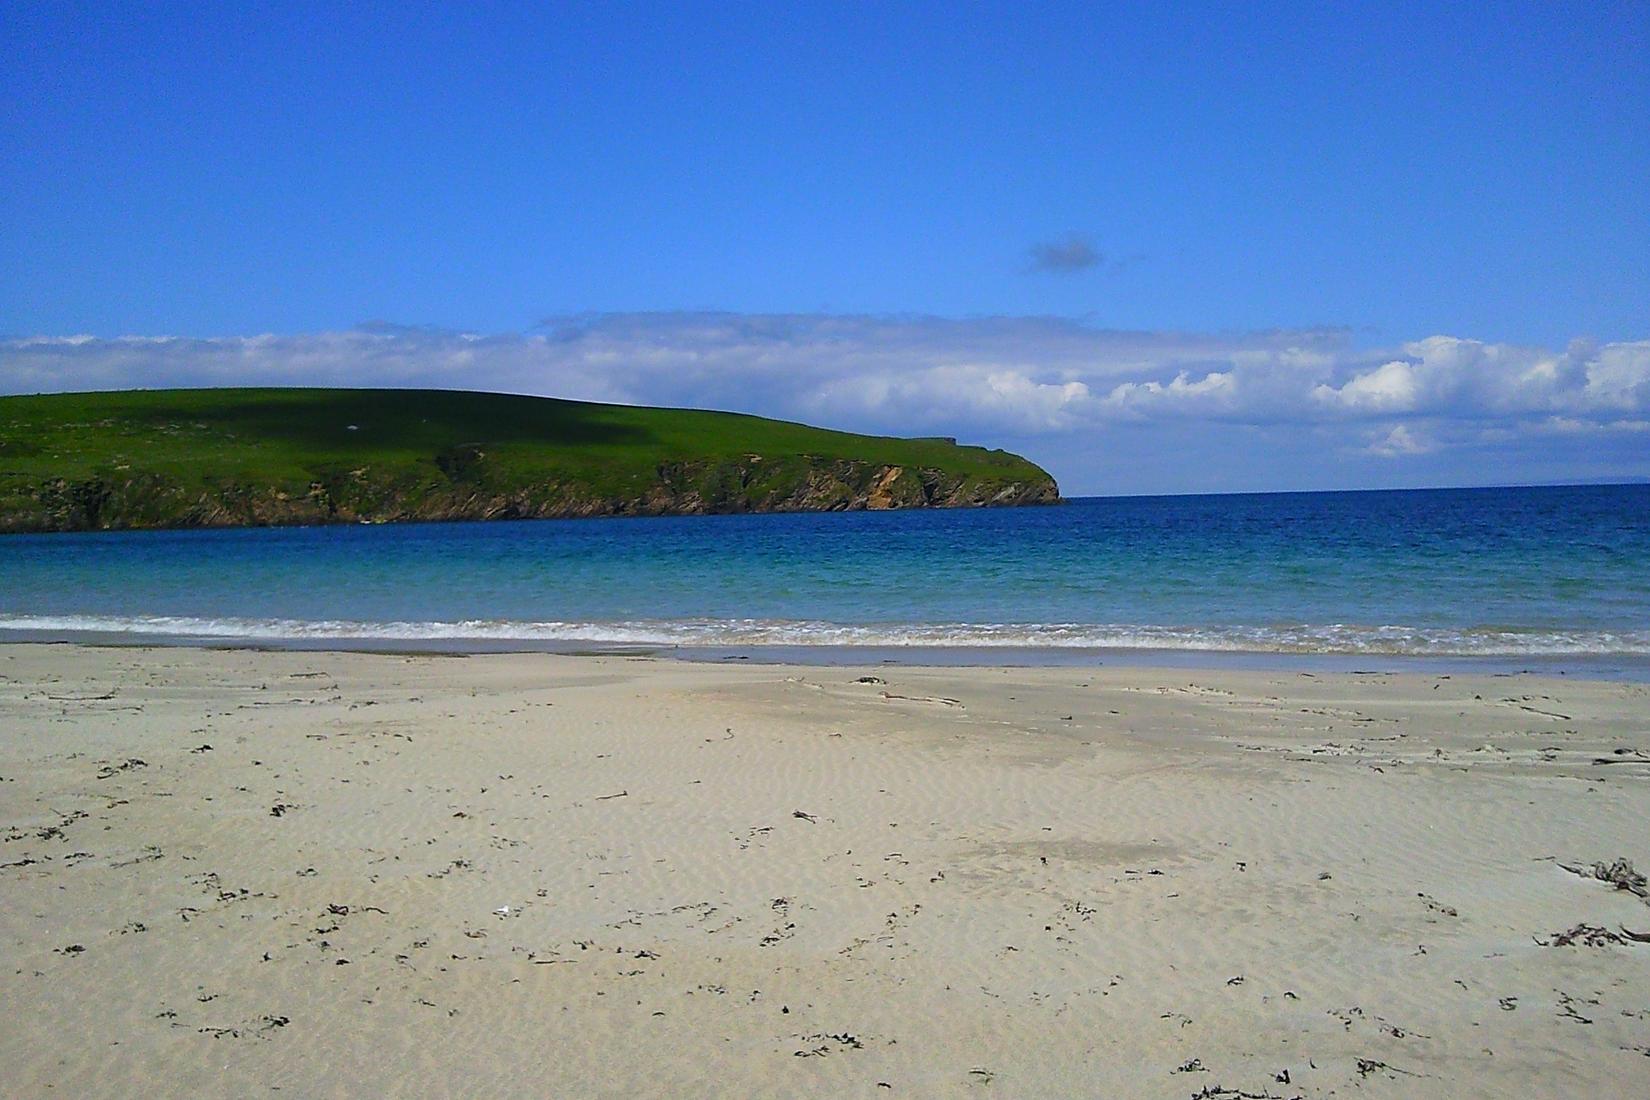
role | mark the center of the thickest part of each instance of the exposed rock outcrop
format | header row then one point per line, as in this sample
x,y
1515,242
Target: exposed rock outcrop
x,y
463,487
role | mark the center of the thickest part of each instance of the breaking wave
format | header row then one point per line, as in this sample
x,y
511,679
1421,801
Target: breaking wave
x,y
1292,638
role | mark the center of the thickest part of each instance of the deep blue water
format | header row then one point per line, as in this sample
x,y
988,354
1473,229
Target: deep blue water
x,y
1514,572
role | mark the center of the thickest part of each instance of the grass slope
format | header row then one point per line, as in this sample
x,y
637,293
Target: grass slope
x,y
389,454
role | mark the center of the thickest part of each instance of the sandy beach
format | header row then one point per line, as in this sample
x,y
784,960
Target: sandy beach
x,y
235,873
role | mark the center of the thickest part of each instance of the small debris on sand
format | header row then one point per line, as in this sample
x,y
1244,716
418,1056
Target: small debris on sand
x,y
1619,874
1591,935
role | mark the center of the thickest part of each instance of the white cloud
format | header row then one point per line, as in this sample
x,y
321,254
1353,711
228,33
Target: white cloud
x,y
1215,392
1619,377
1400,441
975,394
984,378
1569,425
1390,387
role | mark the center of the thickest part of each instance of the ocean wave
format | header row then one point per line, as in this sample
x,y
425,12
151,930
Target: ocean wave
x,y
1294,638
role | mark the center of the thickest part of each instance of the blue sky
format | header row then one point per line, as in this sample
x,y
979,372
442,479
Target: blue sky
x,y
1208,187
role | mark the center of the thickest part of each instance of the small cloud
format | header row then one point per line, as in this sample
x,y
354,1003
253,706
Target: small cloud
x,y
1569,425
1216,390
1066,256
1400,442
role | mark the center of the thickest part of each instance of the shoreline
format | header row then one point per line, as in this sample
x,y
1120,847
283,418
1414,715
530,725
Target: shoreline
x,y
1614,667
336,873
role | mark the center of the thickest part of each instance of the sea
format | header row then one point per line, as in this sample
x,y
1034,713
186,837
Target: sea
x,y
1550,578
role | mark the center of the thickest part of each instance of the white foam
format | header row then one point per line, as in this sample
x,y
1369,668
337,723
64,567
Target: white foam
x,y
1305,638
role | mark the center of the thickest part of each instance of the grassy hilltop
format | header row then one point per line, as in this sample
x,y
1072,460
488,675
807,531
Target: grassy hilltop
x,y
254,457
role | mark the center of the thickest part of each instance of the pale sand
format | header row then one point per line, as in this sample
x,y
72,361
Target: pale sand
x,y
558,876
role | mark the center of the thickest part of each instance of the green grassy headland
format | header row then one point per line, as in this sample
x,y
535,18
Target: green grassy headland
x,y
251,457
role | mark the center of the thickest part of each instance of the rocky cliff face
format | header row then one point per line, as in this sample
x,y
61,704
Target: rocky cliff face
x,y
466,490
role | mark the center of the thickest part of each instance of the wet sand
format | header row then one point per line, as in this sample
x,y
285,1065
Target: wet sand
x,y
233,873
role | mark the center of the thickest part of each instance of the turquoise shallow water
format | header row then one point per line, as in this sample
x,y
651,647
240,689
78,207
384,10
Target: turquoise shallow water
x,y
1538,572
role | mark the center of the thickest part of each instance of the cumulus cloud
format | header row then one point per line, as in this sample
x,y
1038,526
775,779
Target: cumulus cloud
x,y
1069,254
1390,387
991,379
1469,378
1214,393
